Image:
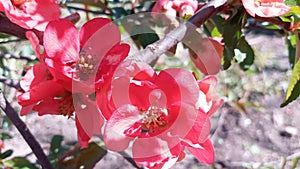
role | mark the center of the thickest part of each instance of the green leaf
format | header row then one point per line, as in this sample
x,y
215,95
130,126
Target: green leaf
x,y
144,35
292,2
294,86
291,51
231,35
6,154
19,163
56,144
88,157
228,55
245,48
5,136
118,12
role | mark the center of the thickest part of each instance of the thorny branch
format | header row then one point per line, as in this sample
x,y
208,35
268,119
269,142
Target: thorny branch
x,y
25,132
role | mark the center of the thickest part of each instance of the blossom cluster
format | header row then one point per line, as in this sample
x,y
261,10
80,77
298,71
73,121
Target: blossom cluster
x,y
85,74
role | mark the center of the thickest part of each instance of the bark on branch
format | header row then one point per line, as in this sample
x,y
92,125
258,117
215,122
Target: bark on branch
x,y
151,52
25,132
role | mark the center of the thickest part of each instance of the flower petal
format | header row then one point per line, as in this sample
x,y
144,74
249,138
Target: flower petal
x,y
207,57
189,91
34,41
35,75
205,153
154,151
83,138
99,31
121,120
88,115
200,130
61,41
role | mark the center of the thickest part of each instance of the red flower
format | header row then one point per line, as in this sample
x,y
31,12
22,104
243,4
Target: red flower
x,y
162,113
265,8
78,60
68,70
172,7
30,13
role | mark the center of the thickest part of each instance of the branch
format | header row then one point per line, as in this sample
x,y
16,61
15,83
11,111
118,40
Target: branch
x,y
8,27
27,135
285,25
87,10
10,82
10,55
151,52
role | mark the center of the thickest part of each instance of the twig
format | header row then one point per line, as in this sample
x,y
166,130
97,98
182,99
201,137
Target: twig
x,y
25,132
151,52
129,159
10,41
10,55
285,25
9,82
87,10
124,155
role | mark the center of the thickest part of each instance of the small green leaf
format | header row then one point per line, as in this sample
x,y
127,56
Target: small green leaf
x,y
88,157
118,12
291,51
6,154
245,48
228,55
19,163
294,86
56,144
144,35
231,35
292,2
215,32
5,136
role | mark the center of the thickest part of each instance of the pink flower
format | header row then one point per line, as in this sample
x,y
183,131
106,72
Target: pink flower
x,y
168,9
162,113
208,56
78,60
30,14
265,8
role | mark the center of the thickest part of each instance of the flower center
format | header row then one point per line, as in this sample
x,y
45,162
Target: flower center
x,y
154,117
65,106
19,3
86,63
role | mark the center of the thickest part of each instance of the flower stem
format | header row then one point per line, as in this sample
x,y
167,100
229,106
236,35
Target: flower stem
x,y
25,132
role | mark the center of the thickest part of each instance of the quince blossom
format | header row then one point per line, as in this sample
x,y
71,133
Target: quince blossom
x,y
265,8
70,64
160,113
170,8
30,14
